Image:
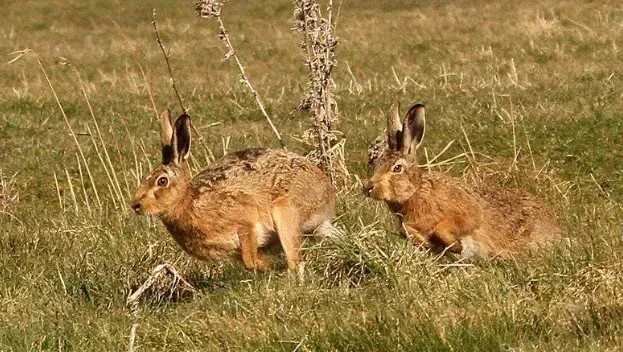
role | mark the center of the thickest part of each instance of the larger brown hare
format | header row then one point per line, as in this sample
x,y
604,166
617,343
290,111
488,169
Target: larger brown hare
x,y
445,214
239,206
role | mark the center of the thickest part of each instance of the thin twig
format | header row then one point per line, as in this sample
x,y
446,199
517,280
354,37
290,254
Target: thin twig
x,y
132,338
172,78
58,193
212,9
166,59
245,79
65,118
71,190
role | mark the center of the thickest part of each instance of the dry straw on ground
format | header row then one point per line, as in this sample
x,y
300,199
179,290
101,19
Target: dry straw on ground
x,y
9,196
165,283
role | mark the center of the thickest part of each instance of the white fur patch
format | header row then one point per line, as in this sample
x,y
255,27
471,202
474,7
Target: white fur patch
x,y
471,248
235,242
263,234
326,229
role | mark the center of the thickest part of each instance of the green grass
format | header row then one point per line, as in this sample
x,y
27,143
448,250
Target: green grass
x,y
550,70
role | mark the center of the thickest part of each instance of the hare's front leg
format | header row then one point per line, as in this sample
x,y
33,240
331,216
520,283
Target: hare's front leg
x,y
412,234
251,257
445,235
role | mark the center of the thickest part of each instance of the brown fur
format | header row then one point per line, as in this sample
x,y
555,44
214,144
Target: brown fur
x,y
239,206
445,214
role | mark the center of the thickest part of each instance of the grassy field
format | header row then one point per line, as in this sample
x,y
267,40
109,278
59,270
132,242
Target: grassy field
x,y
536,91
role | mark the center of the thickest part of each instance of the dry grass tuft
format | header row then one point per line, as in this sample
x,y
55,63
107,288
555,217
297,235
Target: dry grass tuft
x,y
9,195
164,284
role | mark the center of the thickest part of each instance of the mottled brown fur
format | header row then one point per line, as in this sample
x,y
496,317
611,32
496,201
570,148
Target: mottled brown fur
x,y
239,206
446,214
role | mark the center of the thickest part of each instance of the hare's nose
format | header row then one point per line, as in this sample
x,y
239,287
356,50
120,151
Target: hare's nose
x,y
367,188
136,206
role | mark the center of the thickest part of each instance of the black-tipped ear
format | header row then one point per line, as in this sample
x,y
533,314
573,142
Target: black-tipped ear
x,y
394,127
413,129
181,139
166,135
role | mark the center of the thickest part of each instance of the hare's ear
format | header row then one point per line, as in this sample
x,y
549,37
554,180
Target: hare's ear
x,y
413,130
166,135
394,127
181,139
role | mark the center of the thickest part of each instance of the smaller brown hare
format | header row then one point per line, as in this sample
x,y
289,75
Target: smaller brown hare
x,y
446,215
239,206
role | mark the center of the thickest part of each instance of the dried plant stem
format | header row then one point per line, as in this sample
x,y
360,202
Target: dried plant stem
x,y
132,300
166,59
151,95
140,67
245,79
58,193
112,175
173,83
71,190
319,45
112,190
133,147
212,9
320,135
114,199
207,152
84,190
441,152
132,338
155,274
71,131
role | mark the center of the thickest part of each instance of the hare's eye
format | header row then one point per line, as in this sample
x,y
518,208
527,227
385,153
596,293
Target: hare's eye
x,y
163,181
397,168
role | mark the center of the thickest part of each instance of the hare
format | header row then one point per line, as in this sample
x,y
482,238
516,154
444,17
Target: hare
x,y
239,206
443,213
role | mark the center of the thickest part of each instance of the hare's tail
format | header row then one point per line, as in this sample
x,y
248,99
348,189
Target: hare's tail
x,y
325,229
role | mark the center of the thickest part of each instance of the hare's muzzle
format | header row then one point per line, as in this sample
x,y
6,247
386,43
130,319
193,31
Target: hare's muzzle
x,y
367,189
136,206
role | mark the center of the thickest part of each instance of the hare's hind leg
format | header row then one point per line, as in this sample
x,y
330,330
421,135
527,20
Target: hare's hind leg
x,y
444,235
287,223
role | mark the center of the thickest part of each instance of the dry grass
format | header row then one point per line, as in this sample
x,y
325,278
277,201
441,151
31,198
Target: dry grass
x,y
529,94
